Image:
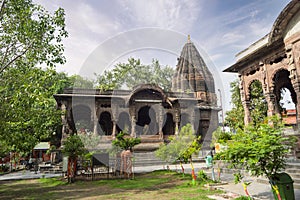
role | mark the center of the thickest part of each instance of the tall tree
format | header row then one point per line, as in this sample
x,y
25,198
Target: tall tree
x,y
235,117
78,81
133,73
30,35
258,103
260,149
28,112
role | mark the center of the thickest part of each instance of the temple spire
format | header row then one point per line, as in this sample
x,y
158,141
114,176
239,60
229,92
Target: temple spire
x,y
189,39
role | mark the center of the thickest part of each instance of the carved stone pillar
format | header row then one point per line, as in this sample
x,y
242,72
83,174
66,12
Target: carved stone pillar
x,y
247,118
114,120
64,121
297,90
272,104
95,120
293,64
177,121
245,101
114,130
133,124
160,120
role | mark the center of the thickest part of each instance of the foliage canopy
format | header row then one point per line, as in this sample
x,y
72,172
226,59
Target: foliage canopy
x,y
134,73
73,147
181,147
125,142
30,35
260,149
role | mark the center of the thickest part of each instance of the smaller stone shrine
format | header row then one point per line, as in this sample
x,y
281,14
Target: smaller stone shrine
x,y
147,111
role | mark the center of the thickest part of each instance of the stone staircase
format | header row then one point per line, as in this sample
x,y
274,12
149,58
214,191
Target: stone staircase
x,y
146,159
292,169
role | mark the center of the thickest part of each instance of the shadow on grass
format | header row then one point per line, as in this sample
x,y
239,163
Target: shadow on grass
x,y
149,186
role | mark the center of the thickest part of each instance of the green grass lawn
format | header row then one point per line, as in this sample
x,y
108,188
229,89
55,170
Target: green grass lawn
x,y
157,185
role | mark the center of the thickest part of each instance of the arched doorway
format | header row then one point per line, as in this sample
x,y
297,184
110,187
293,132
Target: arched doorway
x,y
105,123
258,104
282,83
286,96
146,122
169,126
82,118
124,123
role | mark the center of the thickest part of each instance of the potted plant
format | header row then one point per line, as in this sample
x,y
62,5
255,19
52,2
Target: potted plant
x,y
125,143
72,147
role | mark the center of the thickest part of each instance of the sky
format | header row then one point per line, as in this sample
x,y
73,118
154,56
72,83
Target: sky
x,y
107,32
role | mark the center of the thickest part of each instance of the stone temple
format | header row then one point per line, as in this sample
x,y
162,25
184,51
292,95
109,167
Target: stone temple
x,y
147,111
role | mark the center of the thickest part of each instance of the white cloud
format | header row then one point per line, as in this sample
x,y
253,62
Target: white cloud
x,y
232,37
85,18
169,14
221,34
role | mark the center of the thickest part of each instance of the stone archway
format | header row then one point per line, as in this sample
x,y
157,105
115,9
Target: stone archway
x,y
274,60
82,118
105,122
281,80
169,126
146,121
257,102
124,123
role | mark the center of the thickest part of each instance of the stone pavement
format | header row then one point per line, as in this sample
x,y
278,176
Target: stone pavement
x,y
26,174
257,190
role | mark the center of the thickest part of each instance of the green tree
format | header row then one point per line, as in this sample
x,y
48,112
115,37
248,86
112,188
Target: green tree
x,y
73,147
78,81
125,142
133,73
30,35
258,104
235,117
181,147
220,136
28,109
259,149
90,141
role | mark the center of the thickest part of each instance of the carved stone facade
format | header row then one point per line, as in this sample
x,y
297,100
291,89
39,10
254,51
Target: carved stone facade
x,y
147,111
274,60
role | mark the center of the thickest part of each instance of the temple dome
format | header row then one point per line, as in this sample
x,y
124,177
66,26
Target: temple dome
x,y
192,74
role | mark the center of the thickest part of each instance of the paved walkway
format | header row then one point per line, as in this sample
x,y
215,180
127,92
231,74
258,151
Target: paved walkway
x,y
26,174
256,190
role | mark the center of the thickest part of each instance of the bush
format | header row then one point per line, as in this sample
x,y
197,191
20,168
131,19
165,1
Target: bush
x,y
220,136
260,149
202,176
73,146
125,142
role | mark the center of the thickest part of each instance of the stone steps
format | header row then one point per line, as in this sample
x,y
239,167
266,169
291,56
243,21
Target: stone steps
x,y
147,159
263,180
292,169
